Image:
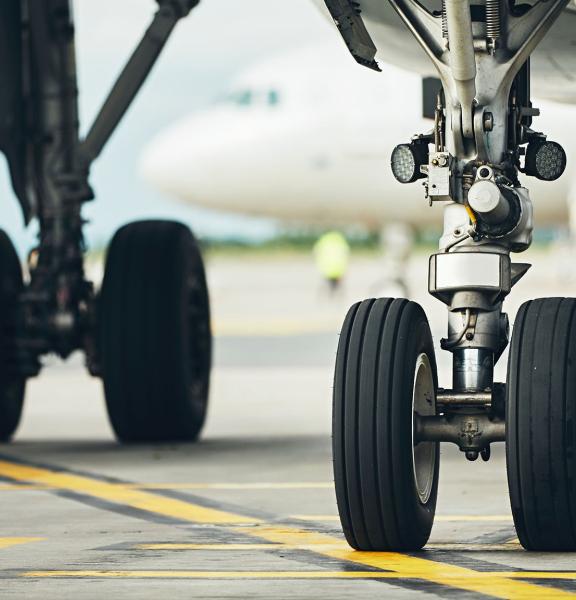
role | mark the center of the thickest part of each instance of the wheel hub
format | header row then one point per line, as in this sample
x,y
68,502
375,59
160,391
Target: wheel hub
x,y
423,404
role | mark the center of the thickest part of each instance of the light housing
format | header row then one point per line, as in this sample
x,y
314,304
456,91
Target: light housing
x,y
545,160
406,161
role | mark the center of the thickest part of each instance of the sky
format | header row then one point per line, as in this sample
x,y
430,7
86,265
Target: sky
x,y
207,50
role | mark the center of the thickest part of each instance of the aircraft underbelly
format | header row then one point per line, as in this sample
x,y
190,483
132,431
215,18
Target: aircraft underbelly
x,y
553,62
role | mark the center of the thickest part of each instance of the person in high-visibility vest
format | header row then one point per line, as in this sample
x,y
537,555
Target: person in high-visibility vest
x,y
332,253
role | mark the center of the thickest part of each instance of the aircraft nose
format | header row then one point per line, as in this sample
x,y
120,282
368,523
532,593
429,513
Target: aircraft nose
x,y
188,159
177,158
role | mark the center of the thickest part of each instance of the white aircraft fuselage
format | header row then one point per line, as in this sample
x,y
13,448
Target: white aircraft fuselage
x,y
307,138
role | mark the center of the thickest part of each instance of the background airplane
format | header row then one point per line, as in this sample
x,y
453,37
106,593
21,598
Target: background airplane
x,y
309,141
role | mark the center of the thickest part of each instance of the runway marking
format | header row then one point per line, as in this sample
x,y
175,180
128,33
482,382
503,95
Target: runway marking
x,y
190,486
461,547
412,567
7,542
232,486
119,494
17,487
212,547
484,579
441,518
390,564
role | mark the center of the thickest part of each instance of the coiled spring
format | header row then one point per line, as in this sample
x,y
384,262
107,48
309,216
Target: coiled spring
x,y
493,29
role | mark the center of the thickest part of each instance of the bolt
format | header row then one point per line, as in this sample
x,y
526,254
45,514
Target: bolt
x,y
484,172
488,121
469,336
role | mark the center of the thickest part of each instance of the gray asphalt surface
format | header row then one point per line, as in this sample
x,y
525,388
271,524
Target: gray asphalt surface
x,y
250,510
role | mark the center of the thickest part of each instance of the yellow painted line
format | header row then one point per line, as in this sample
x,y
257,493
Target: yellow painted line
x,y
231,486
461,547
6,542
441,518
463,578
481,578
218,574
191,486
568,575
21,487
119,494
403,566
209,547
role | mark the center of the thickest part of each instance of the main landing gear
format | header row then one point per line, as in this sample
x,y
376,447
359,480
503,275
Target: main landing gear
x,y
147,334
389,413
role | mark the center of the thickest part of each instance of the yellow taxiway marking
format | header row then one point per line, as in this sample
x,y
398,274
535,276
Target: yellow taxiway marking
x,y
400,565
119,494
22,487
496,585
232,486
211,547
6,542
482,579
441,518
461,547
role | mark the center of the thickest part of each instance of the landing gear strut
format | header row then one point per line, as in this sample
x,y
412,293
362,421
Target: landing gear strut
x,y
389,412
139,328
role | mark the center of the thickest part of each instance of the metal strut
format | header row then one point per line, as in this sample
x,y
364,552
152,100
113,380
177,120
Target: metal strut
x,y
57,307
134,75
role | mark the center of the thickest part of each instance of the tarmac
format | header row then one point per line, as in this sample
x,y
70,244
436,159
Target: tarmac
x,y
250,511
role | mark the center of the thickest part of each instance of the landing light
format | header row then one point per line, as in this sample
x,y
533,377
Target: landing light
x,y
406,161
545,160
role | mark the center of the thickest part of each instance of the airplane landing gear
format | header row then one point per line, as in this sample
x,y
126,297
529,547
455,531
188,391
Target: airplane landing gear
x,y
150,340
389,413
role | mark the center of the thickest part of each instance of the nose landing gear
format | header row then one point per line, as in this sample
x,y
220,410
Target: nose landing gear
x,y
389,414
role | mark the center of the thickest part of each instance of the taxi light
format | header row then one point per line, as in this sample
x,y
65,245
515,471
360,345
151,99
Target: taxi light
x,y
406,161
545,160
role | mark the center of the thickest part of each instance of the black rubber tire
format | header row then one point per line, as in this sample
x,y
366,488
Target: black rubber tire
x,y
378,502
12,385
541,424
155,340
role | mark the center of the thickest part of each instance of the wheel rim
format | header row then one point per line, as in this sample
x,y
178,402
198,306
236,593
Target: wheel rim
x,y
423,404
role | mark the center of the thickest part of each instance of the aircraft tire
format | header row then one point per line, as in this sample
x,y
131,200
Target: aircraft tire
x,y
385,366
12,385
154,333
541,424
